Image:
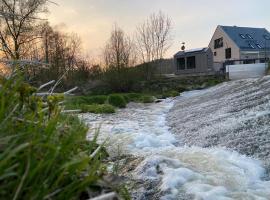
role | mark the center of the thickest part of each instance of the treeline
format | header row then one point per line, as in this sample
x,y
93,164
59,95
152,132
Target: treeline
x,y
26,37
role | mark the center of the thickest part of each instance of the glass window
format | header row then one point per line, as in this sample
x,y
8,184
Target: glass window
x,y
181,65
259,46
242,36
249,36
267,37
228,53
191,62
218,43
251,46
215,53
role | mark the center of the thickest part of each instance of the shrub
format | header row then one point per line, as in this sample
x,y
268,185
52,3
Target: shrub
x,y
117,100
171,93
98,109
174,93
43,153
135,97
98,99
147,99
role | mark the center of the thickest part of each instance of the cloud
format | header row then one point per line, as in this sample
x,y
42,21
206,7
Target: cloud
x,y
194,20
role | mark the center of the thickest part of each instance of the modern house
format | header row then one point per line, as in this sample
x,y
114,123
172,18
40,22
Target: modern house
x,y
240,45
194,62
229,45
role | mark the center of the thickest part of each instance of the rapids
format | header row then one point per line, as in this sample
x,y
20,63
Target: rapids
x,y
172,138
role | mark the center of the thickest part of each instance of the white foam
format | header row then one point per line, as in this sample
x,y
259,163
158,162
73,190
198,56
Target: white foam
x,y
205,173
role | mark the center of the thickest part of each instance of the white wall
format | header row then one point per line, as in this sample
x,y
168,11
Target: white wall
x,y
246,71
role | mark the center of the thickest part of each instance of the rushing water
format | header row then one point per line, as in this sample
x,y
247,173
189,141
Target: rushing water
x,y
181,172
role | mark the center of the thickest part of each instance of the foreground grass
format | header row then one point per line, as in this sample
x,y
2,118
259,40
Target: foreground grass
x,y
43,153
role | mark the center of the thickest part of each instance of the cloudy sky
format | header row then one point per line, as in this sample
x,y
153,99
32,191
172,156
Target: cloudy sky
x,y
194,21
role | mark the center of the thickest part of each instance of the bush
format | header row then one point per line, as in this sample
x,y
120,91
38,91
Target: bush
x,y
147,99
78,100
171,93
43,153
99,99
98,109
134,97
117,100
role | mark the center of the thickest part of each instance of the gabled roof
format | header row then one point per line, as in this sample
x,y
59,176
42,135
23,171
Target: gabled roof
x,y
247,38
190,51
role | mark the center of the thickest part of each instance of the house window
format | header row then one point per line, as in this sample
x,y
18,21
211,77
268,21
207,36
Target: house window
x,y
191,62
251,46
228,53
249,36
242,36
259,46
181,64
215,53
267,37
218,43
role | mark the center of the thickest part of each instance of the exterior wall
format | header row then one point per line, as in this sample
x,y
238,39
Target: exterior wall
x,y
204,63
254,54
227,43
244,71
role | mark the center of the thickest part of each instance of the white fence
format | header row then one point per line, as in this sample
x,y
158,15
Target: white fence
x,y
243,71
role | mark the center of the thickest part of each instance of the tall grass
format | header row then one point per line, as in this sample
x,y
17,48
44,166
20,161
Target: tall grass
x,y
43,153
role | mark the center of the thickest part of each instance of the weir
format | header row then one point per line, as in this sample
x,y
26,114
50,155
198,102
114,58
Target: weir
x,y
172,137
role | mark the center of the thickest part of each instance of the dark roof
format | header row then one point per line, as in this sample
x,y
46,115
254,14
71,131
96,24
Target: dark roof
x,y
247,38
191,51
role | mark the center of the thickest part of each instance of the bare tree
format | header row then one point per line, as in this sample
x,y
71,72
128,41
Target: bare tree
x,y
119,51
119,56
153,38
18,25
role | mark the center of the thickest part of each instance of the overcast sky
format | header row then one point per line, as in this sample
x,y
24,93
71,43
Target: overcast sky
x,y
194,21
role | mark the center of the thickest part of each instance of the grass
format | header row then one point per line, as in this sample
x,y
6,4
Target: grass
x,y
43,153
117,100
108,103
147,99
95,108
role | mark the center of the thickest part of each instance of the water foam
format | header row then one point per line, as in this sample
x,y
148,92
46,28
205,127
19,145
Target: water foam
x,y
203,173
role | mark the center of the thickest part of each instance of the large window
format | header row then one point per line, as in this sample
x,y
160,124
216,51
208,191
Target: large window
x,y
228,53
191,62
181,65
218,43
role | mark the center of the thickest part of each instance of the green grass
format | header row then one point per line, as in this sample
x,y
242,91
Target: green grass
x,y
147,99
98,109
168,94
117,100
43,153
97,99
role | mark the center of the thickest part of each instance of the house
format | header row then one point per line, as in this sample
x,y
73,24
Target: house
x,y
194,62
229,45
240,45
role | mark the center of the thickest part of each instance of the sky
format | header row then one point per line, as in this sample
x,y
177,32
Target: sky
x,y
194,21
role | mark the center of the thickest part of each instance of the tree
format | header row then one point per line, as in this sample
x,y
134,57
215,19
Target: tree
x,y
119,56
119,50
153,38
19,25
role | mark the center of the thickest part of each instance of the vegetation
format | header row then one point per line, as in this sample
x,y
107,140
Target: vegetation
x,y
268,69
147,99
117,100
43,153
98,109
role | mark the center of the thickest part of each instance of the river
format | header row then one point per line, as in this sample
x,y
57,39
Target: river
x,y
177,168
